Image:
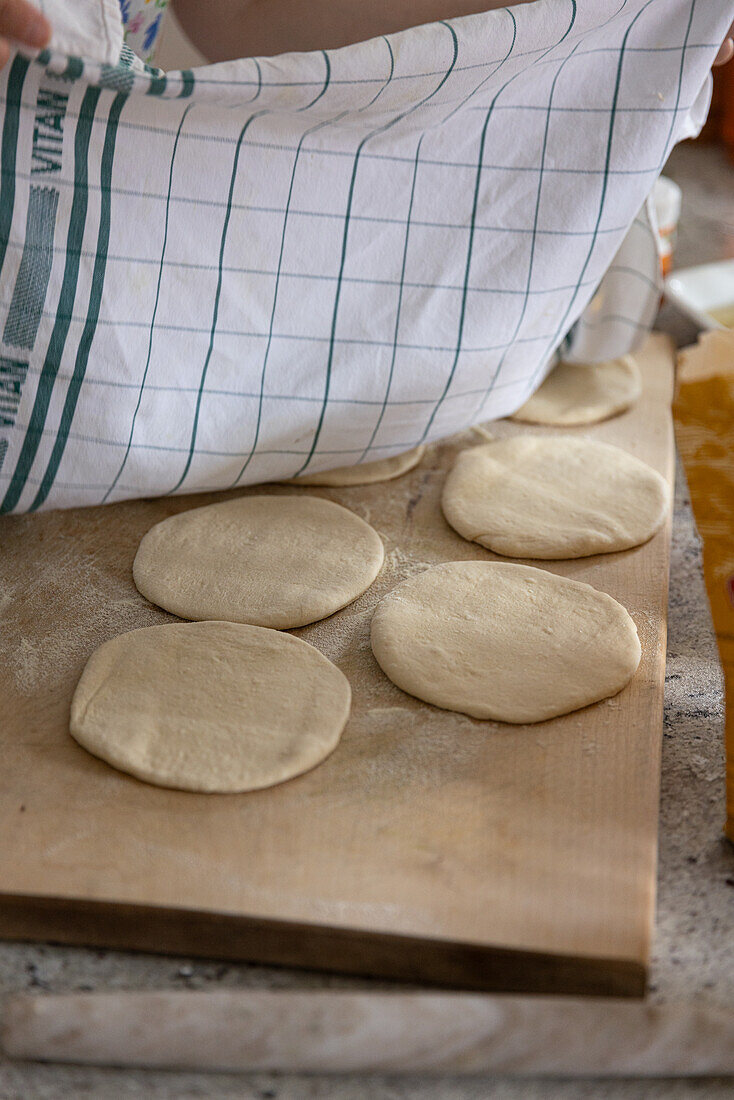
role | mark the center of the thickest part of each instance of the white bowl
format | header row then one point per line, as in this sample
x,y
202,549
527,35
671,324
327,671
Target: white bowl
x,y
698,290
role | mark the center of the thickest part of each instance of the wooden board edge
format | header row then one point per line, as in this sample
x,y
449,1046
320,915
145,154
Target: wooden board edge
x,y
215,935
663,343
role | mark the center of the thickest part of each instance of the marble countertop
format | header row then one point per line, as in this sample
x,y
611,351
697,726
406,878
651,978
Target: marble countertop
x,y
693,959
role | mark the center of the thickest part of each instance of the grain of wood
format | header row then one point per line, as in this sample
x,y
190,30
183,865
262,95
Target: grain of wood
x,y
429,846
336,1032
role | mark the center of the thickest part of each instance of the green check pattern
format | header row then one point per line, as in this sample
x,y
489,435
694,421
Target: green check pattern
x,y
216,278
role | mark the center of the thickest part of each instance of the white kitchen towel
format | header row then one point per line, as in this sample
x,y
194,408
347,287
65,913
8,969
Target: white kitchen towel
x,y
215,278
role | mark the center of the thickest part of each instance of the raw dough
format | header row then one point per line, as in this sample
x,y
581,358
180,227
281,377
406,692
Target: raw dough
x,y
280,561
553,497
580,393
506,642
384,469
210,706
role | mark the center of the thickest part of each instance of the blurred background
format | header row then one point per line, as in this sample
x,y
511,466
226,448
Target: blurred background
x,y
173,50
704,170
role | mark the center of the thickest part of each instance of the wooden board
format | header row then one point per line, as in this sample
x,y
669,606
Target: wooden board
x,y
429,846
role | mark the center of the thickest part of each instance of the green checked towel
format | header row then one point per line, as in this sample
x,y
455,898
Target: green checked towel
x,y
237,274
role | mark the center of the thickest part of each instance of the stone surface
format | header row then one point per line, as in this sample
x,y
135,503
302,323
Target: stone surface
x,y
695,922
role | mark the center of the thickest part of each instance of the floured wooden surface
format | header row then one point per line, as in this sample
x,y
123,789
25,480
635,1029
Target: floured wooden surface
x,y
425,829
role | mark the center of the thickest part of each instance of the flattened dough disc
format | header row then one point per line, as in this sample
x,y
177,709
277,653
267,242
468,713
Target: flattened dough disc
x,y
367,473
553,497
579,393
504,642
212,707
266,560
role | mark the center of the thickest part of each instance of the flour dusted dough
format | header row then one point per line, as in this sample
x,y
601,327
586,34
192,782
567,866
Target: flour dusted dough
x,y
210,706
505,642
278,561
366,473
553,497
579,393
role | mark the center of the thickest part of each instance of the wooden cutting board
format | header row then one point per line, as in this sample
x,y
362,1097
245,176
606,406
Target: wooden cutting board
x,y
429,846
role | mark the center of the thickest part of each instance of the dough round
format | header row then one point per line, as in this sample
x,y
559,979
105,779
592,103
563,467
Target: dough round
x,y
266,560
366,473
505,642
580,393
553,497
214,707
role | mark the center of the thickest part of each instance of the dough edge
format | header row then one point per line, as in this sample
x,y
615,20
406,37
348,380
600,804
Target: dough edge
x,y
95,667
384,648
147,573
511,545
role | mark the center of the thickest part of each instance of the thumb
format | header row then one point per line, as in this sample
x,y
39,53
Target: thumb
x,y
22,23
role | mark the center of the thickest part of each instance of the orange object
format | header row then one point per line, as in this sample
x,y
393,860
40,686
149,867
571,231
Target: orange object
x,y
704,425
667,197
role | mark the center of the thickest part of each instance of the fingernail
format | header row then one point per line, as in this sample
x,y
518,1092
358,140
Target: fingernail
x,y
37,31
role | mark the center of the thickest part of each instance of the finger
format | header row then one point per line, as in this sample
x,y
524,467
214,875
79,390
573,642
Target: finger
x,y
5,52
726,52
22,23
